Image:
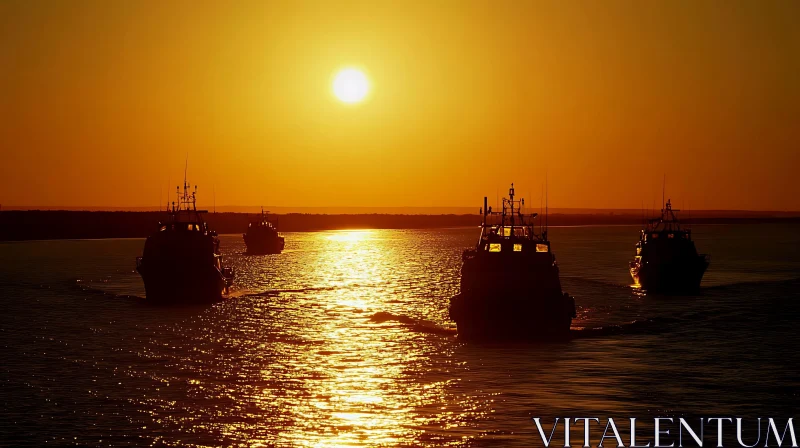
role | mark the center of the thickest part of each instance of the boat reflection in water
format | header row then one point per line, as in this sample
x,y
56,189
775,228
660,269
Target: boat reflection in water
x,y
666,258
181,262
510,288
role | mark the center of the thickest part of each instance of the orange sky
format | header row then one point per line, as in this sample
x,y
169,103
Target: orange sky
x,y
101,101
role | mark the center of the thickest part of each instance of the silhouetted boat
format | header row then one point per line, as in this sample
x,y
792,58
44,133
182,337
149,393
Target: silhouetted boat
x,y
510,288
181,262
262,237
666,258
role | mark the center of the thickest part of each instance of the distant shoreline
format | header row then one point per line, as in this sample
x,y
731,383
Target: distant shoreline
x,y
18,225
428,211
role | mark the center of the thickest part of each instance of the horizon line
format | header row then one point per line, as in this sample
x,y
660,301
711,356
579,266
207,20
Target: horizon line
x,y
364,209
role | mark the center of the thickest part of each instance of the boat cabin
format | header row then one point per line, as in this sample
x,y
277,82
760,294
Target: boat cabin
x,y
183,227
264,224
261,224
667,227
510,231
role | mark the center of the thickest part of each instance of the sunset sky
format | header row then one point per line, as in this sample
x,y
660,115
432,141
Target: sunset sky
x,y
100,102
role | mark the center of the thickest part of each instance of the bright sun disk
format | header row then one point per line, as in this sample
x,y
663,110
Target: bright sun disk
x,y
350,85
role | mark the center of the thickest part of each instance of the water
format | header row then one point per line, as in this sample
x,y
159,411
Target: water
x,y
343,340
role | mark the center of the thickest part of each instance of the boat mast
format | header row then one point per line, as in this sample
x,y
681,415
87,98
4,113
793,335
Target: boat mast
x,y
546,206
485,209
168,187
541,210
515,210
511,201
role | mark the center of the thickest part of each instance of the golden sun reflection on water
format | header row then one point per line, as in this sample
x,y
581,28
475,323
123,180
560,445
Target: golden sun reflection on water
x,y
356,378
350,235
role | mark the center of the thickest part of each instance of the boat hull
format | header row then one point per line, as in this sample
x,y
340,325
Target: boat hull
x,y
263,246
175,285
676,277
512,318
511,296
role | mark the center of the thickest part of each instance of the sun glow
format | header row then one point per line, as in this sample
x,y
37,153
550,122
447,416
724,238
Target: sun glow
x,y
350,235
350,85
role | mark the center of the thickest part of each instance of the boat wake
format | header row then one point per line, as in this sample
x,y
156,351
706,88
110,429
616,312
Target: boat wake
x,y
84,288
415,325
642,326
787,283
274,292
594,282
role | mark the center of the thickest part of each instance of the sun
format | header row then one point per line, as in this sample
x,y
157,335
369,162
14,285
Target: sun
x,y
350,85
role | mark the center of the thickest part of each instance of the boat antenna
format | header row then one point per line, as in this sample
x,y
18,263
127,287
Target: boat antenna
x,y
541,210
511,203
186,168
546,213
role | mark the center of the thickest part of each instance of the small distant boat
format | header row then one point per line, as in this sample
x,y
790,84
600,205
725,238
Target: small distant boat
x,y
510,286
181,262
666,258
262,236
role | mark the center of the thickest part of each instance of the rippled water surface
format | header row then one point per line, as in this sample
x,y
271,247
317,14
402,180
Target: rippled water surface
x,y
343,340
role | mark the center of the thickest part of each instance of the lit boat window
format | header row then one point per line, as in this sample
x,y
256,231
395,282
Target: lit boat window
x,y
506,231
518,248
542,248
494,247
671,235
163,228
